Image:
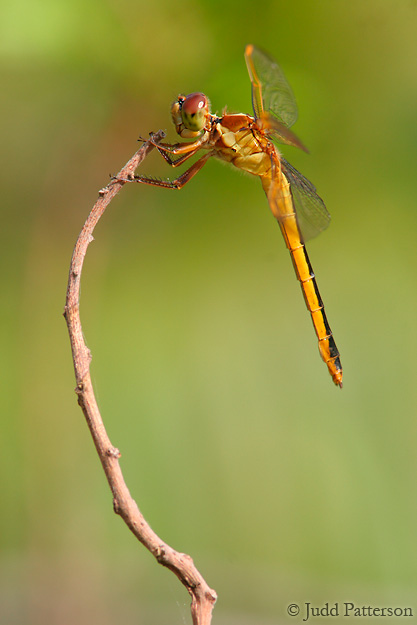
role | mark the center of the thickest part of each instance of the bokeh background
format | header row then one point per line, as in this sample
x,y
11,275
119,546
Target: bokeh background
x,y
235,443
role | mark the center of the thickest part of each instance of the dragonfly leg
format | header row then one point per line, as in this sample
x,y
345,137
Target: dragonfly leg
x,y
182,148
175,162
179,182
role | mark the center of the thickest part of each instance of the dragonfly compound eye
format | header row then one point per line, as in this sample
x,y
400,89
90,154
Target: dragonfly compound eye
x,y
194,111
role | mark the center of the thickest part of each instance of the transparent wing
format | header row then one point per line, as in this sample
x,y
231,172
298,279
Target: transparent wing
x,y
280,133
312,215
274,105
271,92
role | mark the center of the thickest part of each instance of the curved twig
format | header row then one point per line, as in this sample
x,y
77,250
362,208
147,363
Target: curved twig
x,y
203,597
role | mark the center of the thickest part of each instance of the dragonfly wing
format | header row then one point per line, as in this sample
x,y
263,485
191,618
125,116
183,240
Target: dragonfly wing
x,y
312,214
271,92
280,133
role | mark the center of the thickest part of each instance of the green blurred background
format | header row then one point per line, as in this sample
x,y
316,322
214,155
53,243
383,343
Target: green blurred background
x,y
235,443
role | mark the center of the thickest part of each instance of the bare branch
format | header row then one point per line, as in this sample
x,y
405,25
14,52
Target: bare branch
x,y
203,597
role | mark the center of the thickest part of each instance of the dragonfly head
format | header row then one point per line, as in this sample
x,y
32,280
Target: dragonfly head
x,y
190,113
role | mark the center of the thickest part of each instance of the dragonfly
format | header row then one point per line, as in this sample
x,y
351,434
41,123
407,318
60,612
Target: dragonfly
x,y
249,143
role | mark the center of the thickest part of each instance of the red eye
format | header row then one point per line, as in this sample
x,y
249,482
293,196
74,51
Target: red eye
x,y
194,103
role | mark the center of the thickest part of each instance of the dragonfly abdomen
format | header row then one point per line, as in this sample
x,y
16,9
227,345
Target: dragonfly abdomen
x,y
280,199
327,345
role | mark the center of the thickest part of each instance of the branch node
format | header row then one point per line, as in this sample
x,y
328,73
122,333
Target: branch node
x,y
113,452
211,595
160,553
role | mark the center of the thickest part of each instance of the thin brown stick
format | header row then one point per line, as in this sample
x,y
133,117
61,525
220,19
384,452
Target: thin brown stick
x,y
203,597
